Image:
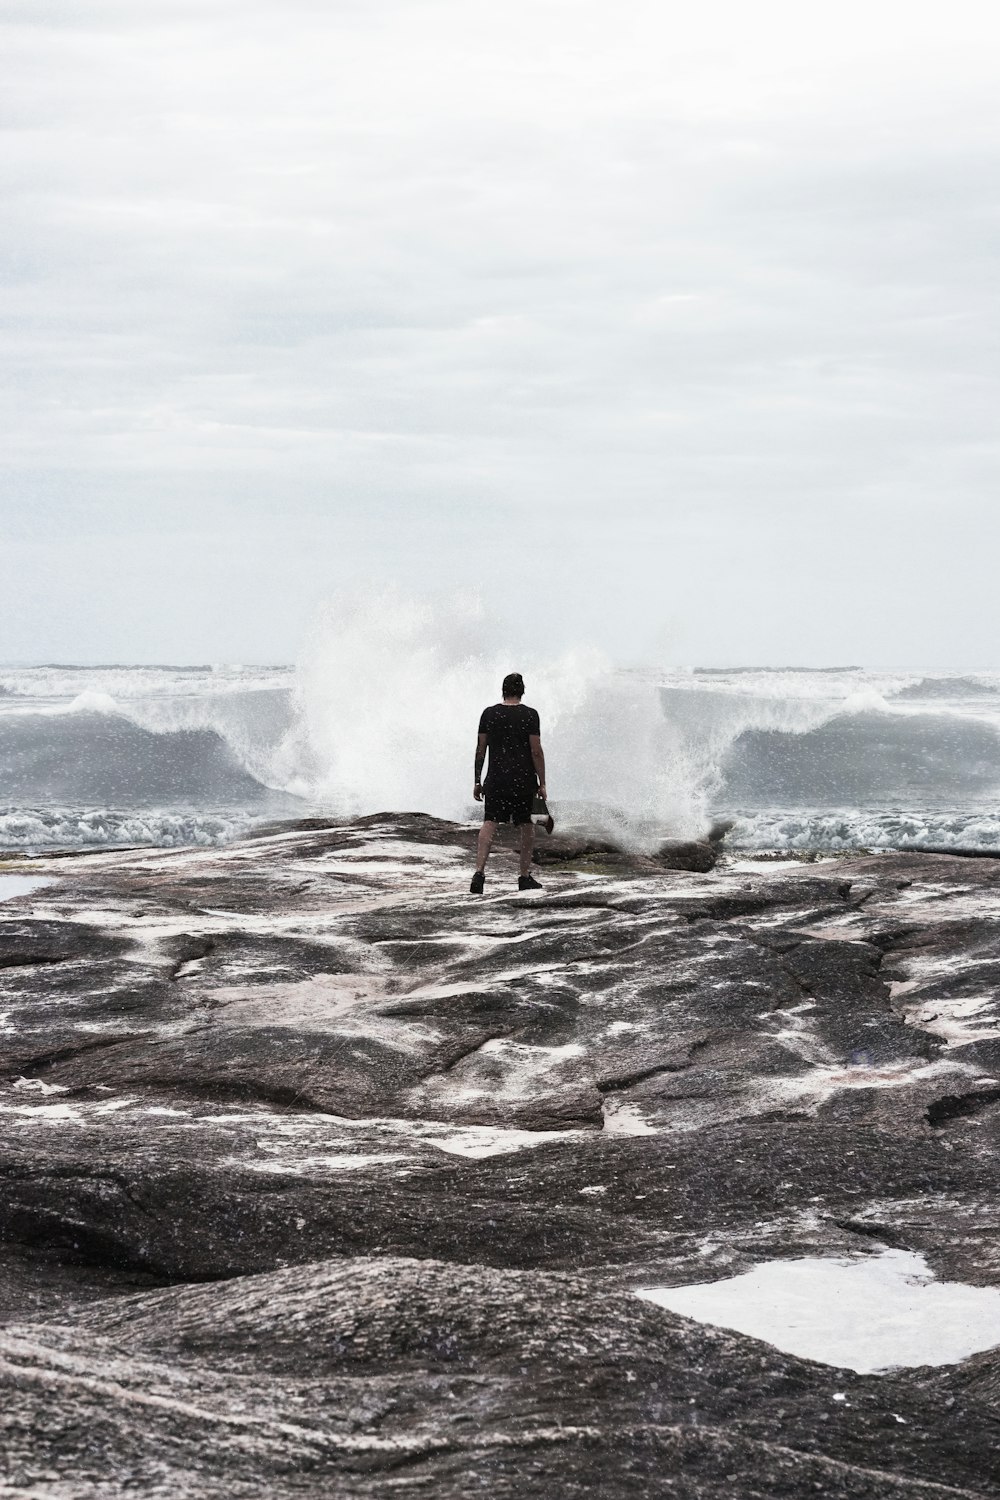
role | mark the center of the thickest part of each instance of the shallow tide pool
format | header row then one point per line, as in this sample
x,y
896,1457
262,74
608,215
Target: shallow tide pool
x,y
871,1314
21,885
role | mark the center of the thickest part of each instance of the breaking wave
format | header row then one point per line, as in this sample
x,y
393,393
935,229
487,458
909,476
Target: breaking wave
x,y
381,714
949,688
388,698
388,695
846,828
156,770
858,758
106,759
45,828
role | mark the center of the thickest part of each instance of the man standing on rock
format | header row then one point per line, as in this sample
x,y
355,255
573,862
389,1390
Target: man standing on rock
x,y
512,733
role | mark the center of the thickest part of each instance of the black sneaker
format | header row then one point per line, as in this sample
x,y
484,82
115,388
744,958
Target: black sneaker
x,y
528,883
478,881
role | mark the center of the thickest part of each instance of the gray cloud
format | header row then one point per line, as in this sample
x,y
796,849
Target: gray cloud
x,y
637,322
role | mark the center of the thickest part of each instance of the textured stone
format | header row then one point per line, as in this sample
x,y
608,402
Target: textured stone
x,y
321,1176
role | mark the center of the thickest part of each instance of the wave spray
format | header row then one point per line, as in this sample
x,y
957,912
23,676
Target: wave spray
x,y
387,700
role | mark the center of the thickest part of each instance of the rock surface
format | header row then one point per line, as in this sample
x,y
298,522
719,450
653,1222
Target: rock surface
x,y
321,1177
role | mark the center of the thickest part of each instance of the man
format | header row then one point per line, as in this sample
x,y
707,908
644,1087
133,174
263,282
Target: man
x,y
512,734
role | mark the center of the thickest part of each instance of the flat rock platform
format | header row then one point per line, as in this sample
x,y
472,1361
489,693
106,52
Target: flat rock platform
x,y
320,1177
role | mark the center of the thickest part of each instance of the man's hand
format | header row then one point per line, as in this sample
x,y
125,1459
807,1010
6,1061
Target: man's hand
x,y
477,791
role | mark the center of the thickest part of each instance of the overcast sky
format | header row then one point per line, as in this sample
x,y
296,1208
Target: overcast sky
x,y
672,328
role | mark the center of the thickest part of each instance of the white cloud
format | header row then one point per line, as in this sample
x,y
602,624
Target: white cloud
x,y
691,305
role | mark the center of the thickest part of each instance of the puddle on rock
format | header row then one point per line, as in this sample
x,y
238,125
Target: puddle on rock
x,y
870,1315
22,885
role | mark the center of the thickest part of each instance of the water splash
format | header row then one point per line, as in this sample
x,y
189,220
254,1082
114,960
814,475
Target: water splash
x,y
388,697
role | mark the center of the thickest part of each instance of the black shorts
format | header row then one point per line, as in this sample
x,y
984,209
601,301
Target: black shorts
x,y
508,804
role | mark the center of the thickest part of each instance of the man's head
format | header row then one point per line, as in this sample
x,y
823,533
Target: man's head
x,y
513,685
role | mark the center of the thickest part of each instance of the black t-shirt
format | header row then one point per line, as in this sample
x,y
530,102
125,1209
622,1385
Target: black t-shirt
x,y
507,727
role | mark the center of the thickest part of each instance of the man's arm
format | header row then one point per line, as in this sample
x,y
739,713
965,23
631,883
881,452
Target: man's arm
x,y
477,790
538,761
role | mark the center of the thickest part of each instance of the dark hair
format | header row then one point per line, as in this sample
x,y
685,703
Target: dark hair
x,y
513,685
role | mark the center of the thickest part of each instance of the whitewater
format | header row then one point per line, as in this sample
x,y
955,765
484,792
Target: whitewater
x,y
380,714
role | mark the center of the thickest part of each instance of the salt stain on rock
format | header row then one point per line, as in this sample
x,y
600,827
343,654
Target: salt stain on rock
x,y
479,1141
957,1022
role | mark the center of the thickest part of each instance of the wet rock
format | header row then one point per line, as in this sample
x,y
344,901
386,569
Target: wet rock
x,y
672,854
377,1376
319,1175
690,854
563,848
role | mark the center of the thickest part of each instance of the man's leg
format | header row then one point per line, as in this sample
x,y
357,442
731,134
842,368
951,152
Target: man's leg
x,y
483,844
527,845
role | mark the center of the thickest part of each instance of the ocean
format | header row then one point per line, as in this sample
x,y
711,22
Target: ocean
x,y
98,757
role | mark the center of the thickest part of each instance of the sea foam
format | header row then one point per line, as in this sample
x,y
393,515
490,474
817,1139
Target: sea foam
x,y
388,698
380,714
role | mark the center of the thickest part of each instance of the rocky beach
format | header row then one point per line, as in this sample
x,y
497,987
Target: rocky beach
x,y
322,1177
